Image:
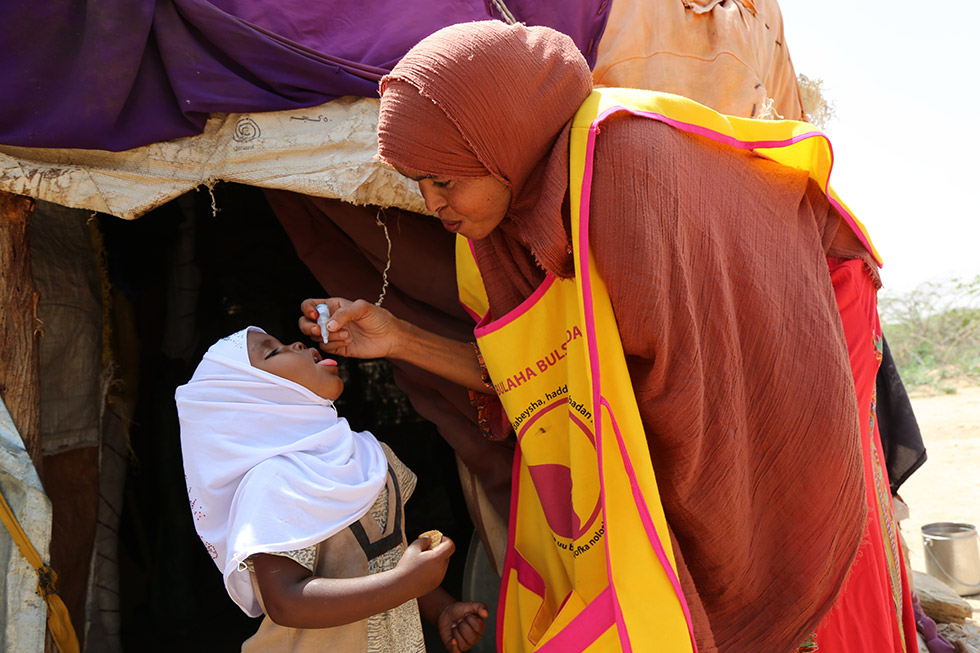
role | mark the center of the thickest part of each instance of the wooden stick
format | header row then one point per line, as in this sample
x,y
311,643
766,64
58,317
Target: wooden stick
x,y
20,328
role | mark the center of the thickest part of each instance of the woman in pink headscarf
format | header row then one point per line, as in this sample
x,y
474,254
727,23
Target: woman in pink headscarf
x,y
725,271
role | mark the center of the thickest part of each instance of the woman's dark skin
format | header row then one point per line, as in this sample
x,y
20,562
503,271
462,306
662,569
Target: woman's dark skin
x,y
362,330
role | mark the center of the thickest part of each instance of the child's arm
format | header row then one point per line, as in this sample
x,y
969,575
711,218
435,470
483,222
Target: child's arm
x,y
460,623
295,598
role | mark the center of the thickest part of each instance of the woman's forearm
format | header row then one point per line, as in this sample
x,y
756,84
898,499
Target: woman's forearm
x,y
362,330
451,359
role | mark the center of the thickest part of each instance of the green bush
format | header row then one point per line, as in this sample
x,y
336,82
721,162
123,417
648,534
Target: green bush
x,y
933,332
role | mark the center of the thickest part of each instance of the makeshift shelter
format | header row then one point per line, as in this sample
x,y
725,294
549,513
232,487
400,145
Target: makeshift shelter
x,y
186,93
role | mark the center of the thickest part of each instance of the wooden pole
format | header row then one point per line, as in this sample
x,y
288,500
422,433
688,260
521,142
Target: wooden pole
x,y
20,328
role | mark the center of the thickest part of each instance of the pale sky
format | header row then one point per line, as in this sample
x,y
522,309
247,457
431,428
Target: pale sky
x,y
904,79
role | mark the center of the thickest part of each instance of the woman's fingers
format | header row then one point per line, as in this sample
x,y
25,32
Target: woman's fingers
x,y
355,329
307,318
338,317
308,307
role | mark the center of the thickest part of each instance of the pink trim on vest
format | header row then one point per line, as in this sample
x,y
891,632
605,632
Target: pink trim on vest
x,y
587,626
486,325
590,330
473,314
598,400
511,554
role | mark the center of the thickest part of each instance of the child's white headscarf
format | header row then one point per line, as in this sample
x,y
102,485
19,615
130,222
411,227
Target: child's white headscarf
x,y
268,463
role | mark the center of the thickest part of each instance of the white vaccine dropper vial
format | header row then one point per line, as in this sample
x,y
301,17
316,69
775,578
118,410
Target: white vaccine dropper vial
x,y
322,320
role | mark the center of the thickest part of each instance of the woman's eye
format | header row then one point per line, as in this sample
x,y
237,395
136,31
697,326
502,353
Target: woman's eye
x,y
440,184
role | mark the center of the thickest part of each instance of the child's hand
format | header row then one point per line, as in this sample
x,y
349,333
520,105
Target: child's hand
x,y
461,625
425,568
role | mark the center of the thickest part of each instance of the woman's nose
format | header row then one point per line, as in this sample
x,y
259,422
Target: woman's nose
x,y
434,199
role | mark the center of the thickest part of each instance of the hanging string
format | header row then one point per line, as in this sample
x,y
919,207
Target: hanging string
x,y
210,184
384,274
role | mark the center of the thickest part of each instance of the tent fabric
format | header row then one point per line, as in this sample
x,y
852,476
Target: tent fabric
x,y
328,150
118,74
22,610
73,386
325,151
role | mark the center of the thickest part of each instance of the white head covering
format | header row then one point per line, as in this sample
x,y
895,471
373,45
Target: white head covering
x,y
269,465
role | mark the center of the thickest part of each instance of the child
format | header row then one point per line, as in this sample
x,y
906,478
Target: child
x,y
302,515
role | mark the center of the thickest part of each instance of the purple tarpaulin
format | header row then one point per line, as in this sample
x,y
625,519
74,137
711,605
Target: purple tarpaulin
x,y
117,74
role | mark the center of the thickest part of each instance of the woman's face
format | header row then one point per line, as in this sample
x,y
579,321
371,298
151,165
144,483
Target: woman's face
x,y
296,362
471,207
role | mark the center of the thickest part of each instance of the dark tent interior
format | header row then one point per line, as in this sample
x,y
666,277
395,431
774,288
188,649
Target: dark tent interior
x,y
184,276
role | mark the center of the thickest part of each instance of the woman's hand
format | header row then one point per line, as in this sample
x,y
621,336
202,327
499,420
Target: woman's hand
x,y
461,625
356,329
424,568
362,330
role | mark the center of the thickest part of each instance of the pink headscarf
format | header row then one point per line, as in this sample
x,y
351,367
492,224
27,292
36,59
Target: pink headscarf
x,y
486,98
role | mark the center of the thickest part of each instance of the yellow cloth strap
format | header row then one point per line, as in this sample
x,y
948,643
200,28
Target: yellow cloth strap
x,y
59,622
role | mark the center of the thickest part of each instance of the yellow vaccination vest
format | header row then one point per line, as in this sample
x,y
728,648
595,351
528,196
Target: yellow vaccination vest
x,y
589,566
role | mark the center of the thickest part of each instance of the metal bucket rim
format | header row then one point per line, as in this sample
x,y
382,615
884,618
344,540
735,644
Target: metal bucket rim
x,y
953,530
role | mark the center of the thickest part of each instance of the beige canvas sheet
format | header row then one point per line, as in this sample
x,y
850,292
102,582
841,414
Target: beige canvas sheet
x,y
325,151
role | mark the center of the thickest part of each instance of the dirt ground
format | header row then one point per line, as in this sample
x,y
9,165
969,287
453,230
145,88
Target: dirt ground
x,y
947,487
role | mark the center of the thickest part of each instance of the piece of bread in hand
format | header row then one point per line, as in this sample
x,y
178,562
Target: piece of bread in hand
x,y
434,538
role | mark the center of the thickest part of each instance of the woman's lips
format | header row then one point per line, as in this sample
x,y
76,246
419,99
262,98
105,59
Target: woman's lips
x,y
451,226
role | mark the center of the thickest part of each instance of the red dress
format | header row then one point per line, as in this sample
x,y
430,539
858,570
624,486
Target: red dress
x,y
874,612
